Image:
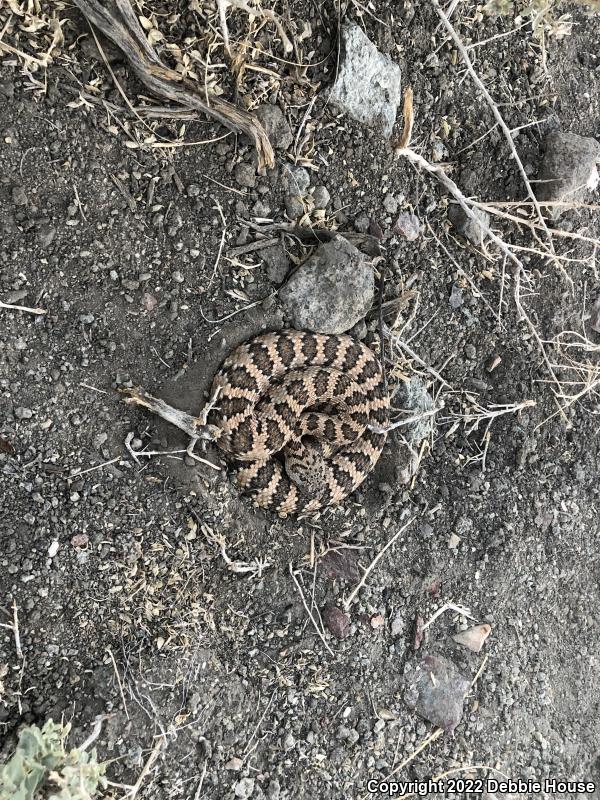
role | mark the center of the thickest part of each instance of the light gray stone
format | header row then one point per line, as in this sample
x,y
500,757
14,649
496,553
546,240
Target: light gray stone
x,y
321,197
296,180
244,788
408,225
368,86
390,204
245,175
45,235
294,207
332,291
568,171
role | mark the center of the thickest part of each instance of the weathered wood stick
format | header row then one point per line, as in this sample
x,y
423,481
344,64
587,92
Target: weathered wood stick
x,y
164,82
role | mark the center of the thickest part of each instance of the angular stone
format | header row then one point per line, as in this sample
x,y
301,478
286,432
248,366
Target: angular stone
x,y
296,180
568,170
331,291
245,175
468,227
278,263
276,126
368,84
436,691
336,621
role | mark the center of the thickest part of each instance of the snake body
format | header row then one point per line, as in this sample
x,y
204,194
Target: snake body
x,y
312,398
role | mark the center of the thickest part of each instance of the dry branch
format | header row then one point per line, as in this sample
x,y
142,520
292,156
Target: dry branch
x,y
126,32
195,427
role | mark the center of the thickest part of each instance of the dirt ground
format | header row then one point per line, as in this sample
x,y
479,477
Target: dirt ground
x,y
149,590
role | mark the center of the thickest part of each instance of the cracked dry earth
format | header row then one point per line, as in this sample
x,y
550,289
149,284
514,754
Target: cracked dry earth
x,y
148,590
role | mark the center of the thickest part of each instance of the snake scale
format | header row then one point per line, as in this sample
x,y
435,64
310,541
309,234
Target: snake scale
x,y
312,398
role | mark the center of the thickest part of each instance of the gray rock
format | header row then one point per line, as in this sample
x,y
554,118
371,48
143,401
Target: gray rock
x,y
23,413
414,398
244,788
19,196
45,235
568,171
368,83
468,227
436,690
296,180
273,789
390,203
276,126
456,297
294,207
361,224
245,175
278,263
321,197
7,89
408,225
332,291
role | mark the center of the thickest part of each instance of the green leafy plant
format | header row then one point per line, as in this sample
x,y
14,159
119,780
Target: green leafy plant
x,y
41,767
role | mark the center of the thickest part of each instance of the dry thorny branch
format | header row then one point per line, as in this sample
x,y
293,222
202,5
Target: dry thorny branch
x,y
588,372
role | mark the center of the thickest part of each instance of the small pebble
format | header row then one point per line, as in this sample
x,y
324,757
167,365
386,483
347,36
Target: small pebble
x,y
492,363
244,788
321,197
294,207
23,413
390,204
19,196
245,175
46,235
361,223
408,225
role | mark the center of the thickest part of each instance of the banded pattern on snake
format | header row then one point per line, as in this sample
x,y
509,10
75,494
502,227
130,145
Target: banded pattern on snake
x,y
312,397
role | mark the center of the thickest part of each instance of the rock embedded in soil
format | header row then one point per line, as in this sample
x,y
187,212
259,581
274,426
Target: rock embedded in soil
x,y
277,262
276,126
473,638
294,207
568,171
408,225
436,691
296,180
368,86
244,788
468,227
245,175
336,621
321,197
19,196
331,291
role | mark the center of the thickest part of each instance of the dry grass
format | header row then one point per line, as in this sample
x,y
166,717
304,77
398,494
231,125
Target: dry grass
x,y
232,50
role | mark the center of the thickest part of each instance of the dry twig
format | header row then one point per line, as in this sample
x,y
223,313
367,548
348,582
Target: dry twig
x,y
167,83
373,564
25,309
